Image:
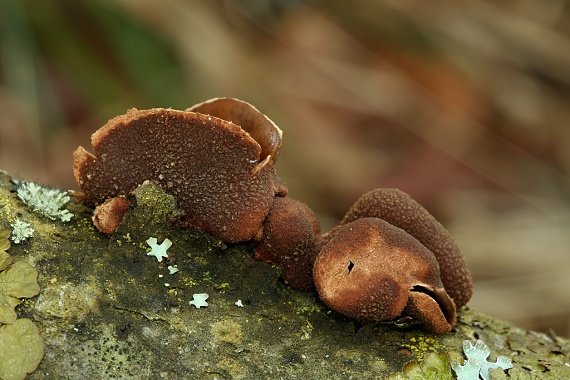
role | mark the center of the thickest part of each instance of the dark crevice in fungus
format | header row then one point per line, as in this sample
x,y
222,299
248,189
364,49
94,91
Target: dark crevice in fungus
x,y
350,266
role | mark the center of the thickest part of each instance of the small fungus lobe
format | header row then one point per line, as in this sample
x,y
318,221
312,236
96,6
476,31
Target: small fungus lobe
x,y
108,215
291,236
158,250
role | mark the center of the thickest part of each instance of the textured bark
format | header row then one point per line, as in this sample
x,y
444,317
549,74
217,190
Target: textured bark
x,y
107,310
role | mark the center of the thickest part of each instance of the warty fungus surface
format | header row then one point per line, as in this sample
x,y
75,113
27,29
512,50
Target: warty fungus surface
x,y
372,271
221,174
291,236
400,210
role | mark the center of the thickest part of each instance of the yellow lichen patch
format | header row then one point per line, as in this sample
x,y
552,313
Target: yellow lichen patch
x,y
7,209
188,281
421,345
307,307
222,286
227,330
233,368
306,331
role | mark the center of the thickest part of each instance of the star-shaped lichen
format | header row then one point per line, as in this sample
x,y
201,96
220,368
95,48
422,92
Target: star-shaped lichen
x,y
158,250
199,300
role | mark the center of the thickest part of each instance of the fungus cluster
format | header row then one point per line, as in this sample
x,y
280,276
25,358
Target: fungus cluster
x,y
387,259
406,261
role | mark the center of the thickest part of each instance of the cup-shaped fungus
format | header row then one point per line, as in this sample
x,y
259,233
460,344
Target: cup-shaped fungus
x,y
400,210
372,271
291,237
221,172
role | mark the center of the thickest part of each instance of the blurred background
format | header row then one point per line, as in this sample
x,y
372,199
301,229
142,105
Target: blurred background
x,y
464,105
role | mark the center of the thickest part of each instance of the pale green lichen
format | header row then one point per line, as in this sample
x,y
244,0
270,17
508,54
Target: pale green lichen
x,y
22,347
5,258
20,280
21,350
21,231
476,364
47,202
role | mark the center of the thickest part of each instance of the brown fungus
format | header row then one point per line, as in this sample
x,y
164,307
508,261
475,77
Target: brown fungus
x,y
372,271
222,175
259,126
290,240
108,215
400,210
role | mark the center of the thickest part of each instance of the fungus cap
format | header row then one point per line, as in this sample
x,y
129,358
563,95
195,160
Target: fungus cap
x,y
215,170
241,113
369,270
400,210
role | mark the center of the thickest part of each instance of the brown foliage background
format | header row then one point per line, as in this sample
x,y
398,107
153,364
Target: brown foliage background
x,y
464,105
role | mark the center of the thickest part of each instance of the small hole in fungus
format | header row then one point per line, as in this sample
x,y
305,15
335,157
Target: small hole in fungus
x,y
350,266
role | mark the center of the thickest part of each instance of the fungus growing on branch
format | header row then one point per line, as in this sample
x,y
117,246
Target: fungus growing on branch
x,y
389,258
